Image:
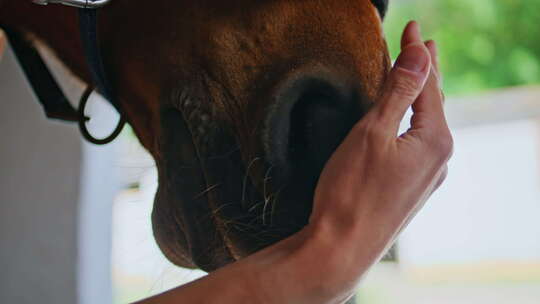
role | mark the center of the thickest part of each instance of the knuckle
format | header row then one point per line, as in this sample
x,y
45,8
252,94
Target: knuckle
x,y
441,179
374,131
444,175
443,96
404,86
370,130
443,145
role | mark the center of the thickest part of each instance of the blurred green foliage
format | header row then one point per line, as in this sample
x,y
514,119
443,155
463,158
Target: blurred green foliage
x,y
483,44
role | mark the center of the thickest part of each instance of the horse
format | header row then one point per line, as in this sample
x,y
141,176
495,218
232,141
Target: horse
x,y
239,102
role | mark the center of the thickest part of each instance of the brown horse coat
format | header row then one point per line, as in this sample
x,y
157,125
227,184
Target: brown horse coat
x,y
240,103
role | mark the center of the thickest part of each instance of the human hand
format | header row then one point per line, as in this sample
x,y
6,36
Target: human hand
x,y
372,186
376,181
376,167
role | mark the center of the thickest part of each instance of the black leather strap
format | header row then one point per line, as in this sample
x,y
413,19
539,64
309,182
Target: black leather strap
x,y
89,38
88,28
48,92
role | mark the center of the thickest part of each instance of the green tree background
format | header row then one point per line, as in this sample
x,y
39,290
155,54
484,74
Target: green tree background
x,y
484,44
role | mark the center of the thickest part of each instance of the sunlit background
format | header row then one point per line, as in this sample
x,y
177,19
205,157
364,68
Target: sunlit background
x,y
476,241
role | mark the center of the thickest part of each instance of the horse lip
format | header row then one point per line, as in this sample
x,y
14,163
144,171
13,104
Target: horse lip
x,y
180,197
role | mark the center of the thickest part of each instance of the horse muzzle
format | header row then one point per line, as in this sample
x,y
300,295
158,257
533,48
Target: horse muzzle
x,y
313,112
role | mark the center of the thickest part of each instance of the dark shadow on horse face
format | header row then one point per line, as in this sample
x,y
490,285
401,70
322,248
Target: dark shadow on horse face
x,y
262,93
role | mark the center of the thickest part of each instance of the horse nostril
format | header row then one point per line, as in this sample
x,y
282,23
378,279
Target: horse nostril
x,y
317,126
309,121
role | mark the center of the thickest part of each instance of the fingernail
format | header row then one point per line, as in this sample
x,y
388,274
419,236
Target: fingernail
x,y
413,58
431,44
416,27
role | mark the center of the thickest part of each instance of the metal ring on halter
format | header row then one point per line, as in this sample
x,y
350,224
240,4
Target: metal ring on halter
x,y
83,119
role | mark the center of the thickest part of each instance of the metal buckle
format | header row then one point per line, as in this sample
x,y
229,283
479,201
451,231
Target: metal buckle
x,y
76,3
83,119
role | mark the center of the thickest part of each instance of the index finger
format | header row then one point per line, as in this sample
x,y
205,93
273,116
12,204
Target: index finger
x,y
428,108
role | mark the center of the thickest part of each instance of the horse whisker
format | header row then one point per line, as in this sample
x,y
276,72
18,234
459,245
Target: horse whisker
x,y
207,190
266,197
255,206
273,210
217,210
244,184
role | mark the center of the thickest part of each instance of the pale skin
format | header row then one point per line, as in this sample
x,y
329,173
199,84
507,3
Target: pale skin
x,y
370,189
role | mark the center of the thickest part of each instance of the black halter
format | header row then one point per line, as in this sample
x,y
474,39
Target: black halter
x,y
47,90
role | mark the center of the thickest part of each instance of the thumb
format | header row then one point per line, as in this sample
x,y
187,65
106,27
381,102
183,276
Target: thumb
x,y
404,83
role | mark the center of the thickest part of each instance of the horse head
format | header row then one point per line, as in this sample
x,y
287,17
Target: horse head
x,y
240,102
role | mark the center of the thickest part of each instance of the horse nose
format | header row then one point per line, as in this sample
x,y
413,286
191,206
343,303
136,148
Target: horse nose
x,y
310,118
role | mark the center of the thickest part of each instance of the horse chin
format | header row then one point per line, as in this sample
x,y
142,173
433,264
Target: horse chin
x,y
212,209
192,232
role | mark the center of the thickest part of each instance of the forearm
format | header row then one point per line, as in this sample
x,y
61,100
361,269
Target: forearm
x,y
227,285
328,262
312,266
251,280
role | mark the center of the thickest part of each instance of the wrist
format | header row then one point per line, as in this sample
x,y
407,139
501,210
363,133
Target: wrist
x,y
311,268
278,272
355,243
326,258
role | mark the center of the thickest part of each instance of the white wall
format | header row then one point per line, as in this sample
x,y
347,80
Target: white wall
x,y
56,194
489,208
